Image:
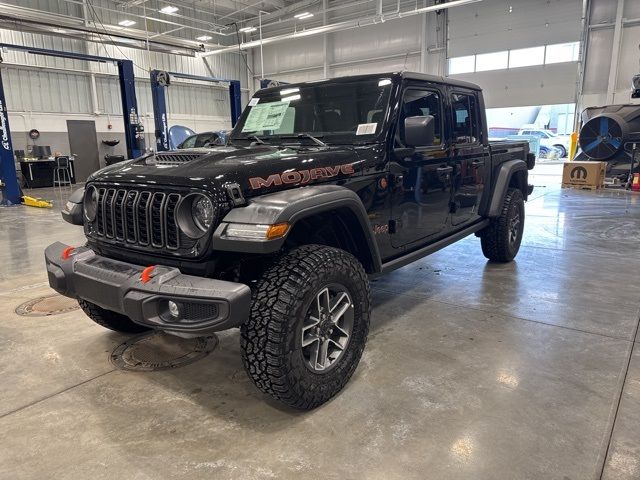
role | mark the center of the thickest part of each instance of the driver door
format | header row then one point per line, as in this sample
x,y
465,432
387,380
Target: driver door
x,y
422,181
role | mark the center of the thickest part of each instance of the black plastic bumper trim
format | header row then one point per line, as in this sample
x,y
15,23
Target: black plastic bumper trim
x,y
116,286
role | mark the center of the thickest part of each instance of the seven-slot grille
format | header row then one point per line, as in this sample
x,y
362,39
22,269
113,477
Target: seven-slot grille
x,y
138,217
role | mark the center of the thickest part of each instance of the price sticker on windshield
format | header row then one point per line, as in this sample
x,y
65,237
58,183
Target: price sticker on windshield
x,y
366,129
254,101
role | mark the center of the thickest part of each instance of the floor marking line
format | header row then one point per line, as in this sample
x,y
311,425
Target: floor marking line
x,y
616,410
540,322
47,397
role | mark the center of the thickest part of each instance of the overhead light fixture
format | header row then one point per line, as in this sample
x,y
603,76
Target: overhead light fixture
x,y
126,23
169,9
204,38
302,16
248,29
59,30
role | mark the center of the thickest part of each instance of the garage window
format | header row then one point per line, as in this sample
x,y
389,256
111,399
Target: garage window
x,y
562,52
462,64
526,57
492,61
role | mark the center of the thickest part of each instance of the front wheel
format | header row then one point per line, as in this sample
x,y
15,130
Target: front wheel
x,y
562,150
308,325
501,240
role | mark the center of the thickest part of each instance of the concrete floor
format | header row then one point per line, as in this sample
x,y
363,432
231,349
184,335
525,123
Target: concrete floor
x,y
472,370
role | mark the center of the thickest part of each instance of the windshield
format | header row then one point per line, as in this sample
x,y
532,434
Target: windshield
x,y
338,113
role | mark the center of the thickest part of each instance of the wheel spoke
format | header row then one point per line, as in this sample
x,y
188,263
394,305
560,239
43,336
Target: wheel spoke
x,y
336,316
338,346
313,354
339,301
310,322
309,339
322,355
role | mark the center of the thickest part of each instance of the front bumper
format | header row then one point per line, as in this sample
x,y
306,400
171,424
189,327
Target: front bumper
x,y
206,305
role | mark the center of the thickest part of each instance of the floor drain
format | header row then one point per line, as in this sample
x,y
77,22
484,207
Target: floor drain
x,y
161,351
48,305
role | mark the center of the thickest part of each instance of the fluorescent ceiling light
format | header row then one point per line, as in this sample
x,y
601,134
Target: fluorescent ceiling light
x,y
248,29
169,9
302,16
59,30
290,99
126,23
204,38
386,81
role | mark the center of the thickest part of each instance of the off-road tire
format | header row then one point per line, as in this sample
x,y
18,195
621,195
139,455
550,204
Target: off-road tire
x,y
270,339
495,239
109,319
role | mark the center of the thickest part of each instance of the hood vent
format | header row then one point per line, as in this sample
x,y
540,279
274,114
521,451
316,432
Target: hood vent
x,y
176,158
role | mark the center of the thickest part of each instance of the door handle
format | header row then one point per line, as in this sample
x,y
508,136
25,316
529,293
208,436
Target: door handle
x,y
444,170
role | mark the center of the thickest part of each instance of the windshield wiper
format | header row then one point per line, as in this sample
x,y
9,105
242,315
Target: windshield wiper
x,y
316,140
257,139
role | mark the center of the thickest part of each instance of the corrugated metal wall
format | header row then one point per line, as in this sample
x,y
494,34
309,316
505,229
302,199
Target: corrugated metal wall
x,y
600,47
39,83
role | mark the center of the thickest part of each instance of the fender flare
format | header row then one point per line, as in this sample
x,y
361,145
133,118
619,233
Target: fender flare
x,y
501,185
291,206
73,210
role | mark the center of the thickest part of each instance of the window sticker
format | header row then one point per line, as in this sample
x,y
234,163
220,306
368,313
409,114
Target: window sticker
x,y
366,128
265,116
254,101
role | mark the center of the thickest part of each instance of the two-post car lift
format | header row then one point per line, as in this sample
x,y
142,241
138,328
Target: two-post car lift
x,y
132,126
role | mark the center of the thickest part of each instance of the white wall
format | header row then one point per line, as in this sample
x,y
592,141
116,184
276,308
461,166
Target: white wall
x,y
498,25
418,43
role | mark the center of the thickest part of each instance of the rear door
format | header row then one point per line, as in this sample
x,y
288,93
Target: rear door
x,y
421,189
469,156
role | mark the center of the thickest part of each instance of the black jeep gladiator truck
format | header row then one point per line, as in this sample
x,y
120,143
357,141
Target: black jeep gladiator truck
x,y
323,185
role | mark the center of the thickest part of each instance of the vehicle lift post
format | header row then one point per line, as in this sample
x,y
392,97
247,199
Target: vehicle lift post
x,y
134,135
161,79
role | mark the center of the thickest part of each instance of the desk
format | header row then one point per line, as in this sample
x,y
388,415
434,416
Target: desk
x,y
39,173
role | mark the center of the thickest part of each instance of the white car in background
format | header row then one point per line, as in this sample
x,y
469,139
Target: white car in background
x,y
549,139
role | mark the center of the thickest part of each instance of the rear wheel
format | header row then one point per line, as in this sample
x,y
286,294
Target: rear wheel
x,y
109,319
501,240
308,325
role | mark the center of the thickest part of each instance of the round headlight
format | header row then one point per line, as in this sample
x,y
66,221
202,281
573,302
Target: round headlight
x,y
90,203
196,213
202,212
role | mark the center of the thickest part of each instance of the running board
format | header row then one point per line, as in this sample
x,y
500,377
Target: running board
x,y
432,248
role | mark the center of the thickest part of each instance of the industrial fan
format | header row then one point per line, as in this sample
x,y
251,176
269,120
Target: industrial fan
x,y
601,137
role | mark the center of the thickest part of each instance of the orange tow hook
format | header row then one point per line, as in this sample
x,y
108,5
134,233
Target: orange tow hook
x,y
67,252
147,273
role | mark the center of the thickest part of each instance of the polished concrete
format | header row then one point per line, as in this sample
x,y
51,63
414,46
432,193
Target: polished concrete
x,y
472,370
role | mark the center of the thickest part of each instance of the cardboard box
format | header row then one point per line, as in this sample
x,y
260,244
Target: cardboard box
x,y
583,175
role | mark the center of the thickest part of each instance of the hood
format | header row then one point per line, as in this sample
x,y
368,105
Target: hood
x,y
257,169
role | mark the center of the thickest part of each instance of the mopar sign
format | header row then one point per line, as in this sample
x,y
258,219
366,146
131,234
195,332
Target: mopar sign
x,y
3,127
579,173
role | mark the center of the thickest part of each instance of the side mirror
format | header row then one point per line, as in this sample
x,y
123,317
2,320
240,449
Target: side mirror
x,y
419,131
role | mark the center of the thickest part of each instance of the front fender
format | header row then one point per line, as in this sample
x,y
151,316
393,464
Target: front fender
x,y
291,206
74,208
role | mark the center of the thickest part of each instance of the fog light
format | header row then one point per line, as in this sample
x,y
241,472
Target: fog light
x,y
174,310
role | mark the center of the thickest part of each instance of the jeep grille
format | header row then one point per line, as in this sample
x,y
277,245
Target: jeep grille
x,y
139,217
